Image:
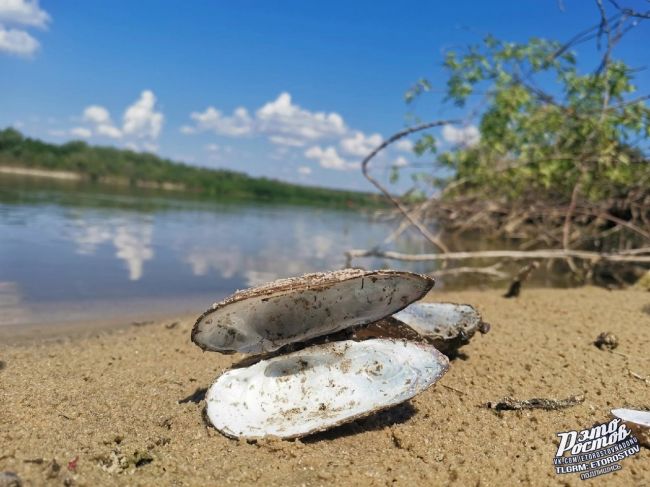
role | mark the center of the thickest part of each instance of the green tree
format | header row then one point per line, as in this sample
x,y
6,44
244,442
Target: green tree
x,y
582,135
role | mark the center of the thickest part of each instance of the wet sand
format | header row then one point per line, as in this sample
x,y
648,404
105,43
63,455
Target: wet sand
x,y
123,406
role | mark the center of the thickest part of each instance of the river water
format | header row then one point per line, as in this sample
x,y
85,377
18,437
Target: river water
x,y
74,252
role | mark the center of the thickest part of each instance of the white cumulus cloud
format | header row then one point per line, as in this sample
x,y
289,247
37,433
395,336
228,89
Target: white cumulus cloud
x,y
400,162
141,122
281,121
24,13
100,118
467,136
359,144
287,141
304,170
238,124
17,42
404,145
109,131
297,132
97,115
285,121
141,119
329,158
82,132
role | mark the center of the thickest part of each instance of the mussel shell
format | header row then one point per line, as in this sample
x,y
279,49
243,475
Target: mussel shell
x,y
264,319
446,325
642,418
314,389
638,422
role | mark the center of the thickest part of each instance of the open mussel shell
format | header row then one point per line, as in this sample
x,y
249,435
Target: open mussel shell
x,y
265,318
314,389
446,325
638,422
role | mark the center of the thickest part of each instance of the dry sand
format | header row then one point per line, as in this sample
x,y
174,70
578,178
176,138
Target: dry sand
x,y
125,407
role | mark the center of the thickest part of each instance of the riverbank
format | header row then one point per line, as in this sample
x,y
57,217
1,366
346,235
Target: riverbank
x,y
40,173
78,161
124,406
26,172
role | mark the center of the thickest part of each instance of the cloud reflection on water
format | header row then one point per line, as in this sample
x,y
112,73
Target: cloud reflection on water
x,y
311,249
131,237
226,262
220,247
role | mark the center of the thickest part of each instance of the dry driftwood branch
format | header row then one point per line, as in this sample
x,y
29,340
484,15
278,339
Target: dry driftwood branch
x,y
492,271
434,239
640,377
406,223
500,254
643,250
539,221
566,229
616,220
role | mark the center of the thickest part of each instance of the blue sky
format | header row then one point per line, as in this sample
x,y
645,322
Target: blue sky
x,y
293,90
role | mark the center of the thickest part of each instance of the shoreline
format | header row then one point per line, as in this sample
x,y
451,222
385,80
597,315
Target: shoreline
x,y
130,315
37,173
63,319
40,333
124,405
40,173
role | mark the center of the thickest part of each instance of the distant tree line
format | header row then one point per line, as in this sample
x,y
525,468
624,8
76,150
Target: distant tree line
x,y
112,165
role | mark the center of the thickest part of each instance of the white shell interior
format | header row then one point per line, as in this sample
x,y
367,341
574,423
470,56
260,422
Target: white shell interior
x,y
321,386
641,418
440,320
268,321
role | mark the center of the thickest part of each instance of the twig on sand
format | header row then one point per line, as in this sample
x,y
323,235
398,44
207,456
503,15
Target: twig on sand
x,y
640,377
454,389
629,357
510,404
63,415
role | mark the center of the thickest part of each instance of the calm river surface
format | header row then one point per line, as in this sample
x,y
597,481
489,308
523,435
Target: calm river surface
x,y
71,253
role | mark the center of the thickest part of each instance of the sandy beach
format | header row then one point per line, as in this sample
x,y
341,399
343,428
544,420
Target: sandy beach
x,y
124,406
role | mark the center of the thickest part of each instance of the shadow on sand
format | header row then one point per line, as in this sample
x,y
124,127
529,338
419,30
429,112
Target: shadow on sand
x,y
388,417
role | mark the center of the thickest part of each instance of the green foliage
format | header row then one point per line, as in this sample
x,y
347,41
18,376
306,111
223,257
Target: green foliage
x,y
582,128
426,143
117,166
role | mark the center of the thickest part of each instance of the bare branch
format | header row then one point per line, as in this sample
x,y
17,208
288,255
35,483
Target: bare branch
x,y
434,239
551,254
630,12
491,271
